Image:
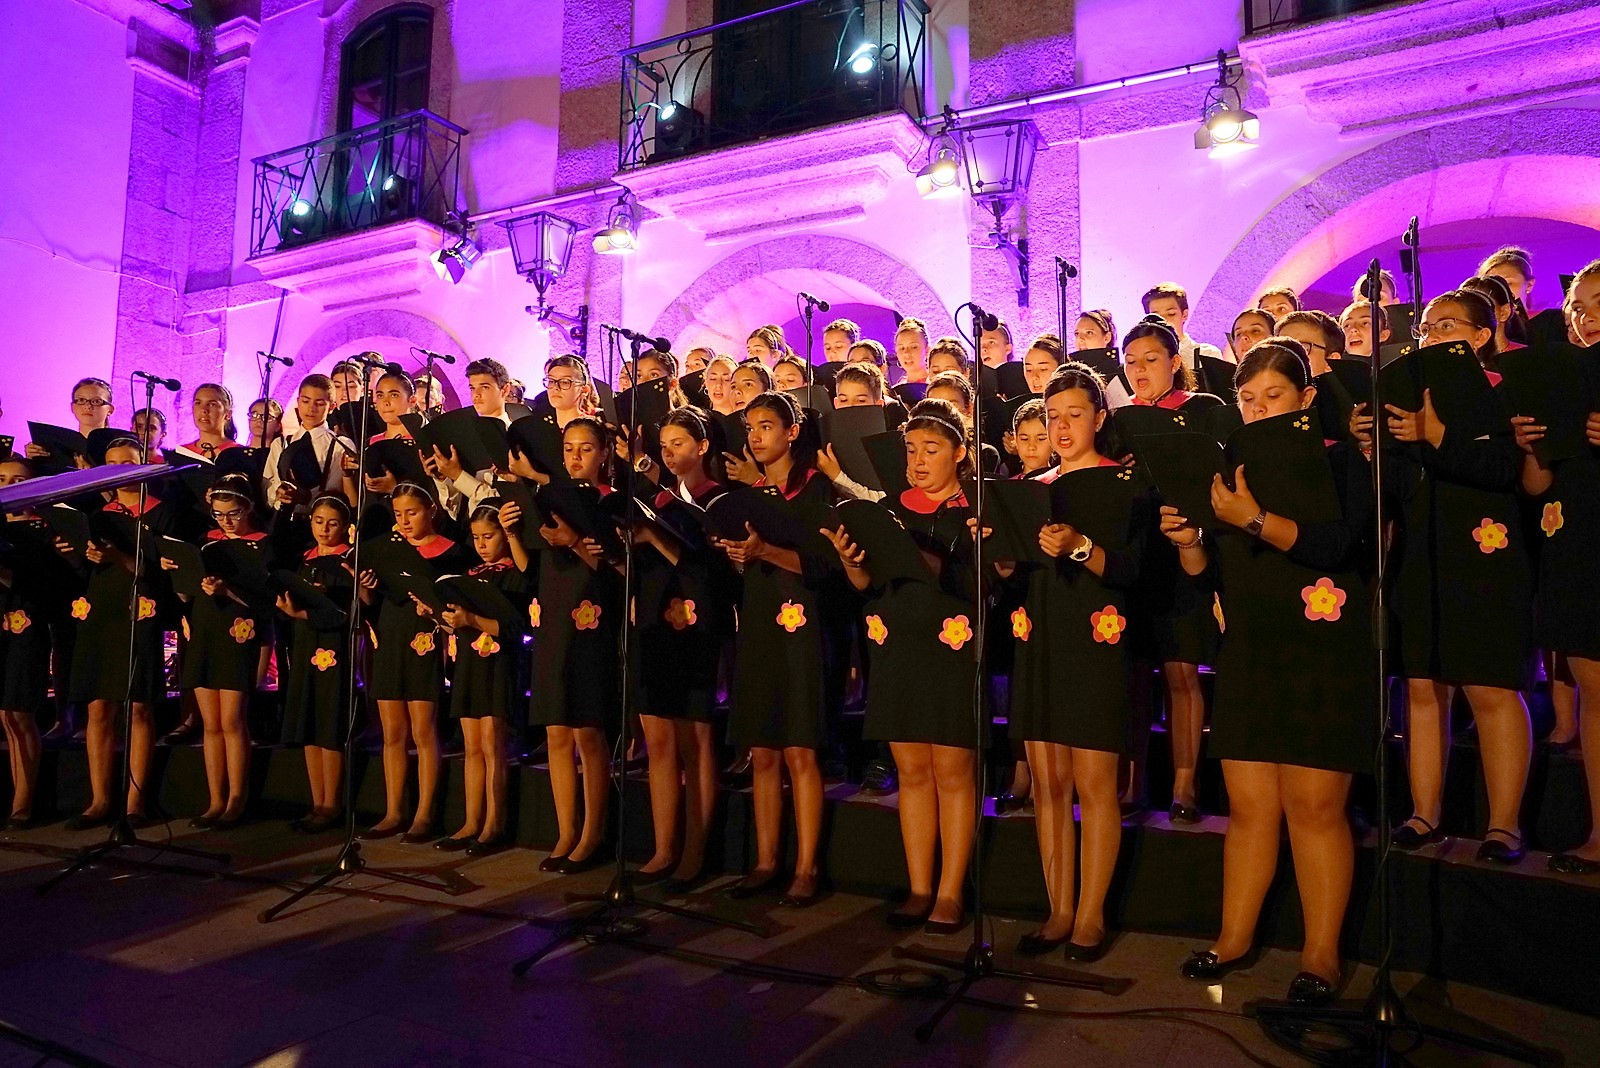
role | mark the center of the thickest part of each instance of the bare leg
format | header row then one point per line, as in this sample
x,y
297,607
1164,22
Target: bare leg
x,y
396,745
236,748
955,777
805,781
215,749
1563,697
1324,859
332,777
1587,675
319,800
1095,775
493,741
1186,716
1427,746
766,780
919,821
22,742
1505,743
1249,852
141,741
101,744
1052,817
697,749
472,774
425,729
666,774
596,785
563,753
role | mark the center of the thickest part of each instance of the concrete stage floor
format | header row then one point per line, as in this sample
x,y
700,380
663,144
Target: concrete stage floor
x,y
137,967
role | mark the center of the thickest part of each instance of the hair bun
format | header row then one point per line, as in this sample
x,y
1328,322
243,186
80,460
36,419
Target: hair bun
x,y
1154,320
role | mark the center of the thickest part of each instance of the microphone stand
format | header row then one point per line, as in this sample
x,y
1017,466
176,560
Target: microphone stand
x,y
1064,271
978,963
122,833
607,920
350,861
808,310
1371,1029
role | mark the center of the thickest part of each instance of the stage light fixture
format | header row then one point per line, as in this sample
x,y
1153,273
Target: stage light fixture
x,y
300,222
940,177
454,262
678,128
621,234
863,61
1226,127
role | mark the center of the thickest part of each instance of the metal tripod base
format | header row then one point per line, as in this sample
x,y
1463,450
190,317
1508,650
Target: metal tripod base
x,y
122,836
978,963
1369,1034
603,922
348,862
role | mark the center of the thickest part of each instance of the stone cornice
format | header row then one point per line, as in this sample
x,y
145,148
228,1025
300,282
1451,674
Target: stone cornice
x,y
1413,64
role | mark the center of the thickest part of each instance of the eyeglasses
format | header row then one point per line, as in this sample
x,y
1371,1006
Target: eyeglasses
x,y
1309,345
227,517
90,402
260,417
1444,326
561,383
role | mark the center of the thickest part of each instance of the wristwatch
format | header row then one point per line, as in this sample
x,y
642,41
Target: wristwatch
x,y
1253,528
1082,552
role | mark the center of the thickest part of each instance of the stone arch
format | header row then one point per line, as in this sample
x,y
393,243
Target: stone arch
x,y
337,338
1541,163
758,283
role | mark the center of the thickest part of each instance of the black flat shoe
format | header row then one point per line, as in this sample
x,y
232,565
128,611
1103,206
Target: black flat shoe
x,y
417,837
687,885
598,859
81,822
745,889
552,863
203,823
453,845
486,849
1204,967
792,900
1572,864
230,823
1408,837
1033,945
945,927
320,824
1088,954
376,834
298,826
1496,851
650,878
182,734
23,822
1011,803
1307,989
1183,814
139,821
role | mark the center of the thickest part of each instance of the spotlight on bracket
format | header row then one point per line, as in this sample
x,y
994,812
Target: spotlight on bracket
x,y
621,234
1226,127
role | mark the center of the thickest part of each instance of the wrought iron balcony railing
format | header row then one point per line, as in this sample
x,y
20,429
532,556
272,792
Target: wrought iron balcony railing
x,y
407,167
798,66
1263,15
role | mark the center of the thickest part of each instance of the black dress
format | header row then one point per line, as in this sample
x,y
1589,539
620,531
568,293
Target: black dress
x,y
1294,680
315,691
788,681
487,679
1070,681
41,586
574,619
919,636
685,616
225,637
408,662
1463,584
100,647
1567,607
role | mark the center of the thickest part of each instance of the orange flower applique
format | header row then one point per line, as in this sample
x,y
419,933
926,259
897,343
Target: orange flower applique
x,y
1216,613
1323,600
1108,626
323,659
243,630
183,625
1552,519
80,608
680,614
533,613
1491,536
450,647
485,645
876,631
16,622
422,644
587,616
147,608
957,632
1021,625
791,617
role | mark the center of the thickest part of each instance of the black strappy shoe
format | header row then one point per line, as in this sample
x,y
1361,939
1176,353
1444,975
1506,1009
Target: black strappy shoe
x,y
1408,837
1498,852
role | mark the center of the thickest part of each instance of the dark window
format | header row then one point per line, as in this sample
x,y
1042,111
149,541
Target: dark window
x,y
385,67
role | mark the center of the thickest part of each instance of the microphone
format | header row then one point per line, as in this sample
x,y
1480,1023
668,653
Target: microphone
x,y
167,383
660,344
1372,284
1412,237
437,357
371,359
982,319
1067,270
820,305
272,357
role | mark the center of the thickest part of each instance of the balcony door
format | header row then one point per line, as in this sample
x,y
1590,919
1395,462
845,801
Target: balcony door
x,y
384,73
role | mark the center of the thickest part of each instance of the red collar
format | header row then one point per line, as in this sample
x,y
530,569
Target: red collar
x,y
1494,377
117,506
918,501
385,437
315,552
810,473
493,565
602,489
1172,400
437,545
217,535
